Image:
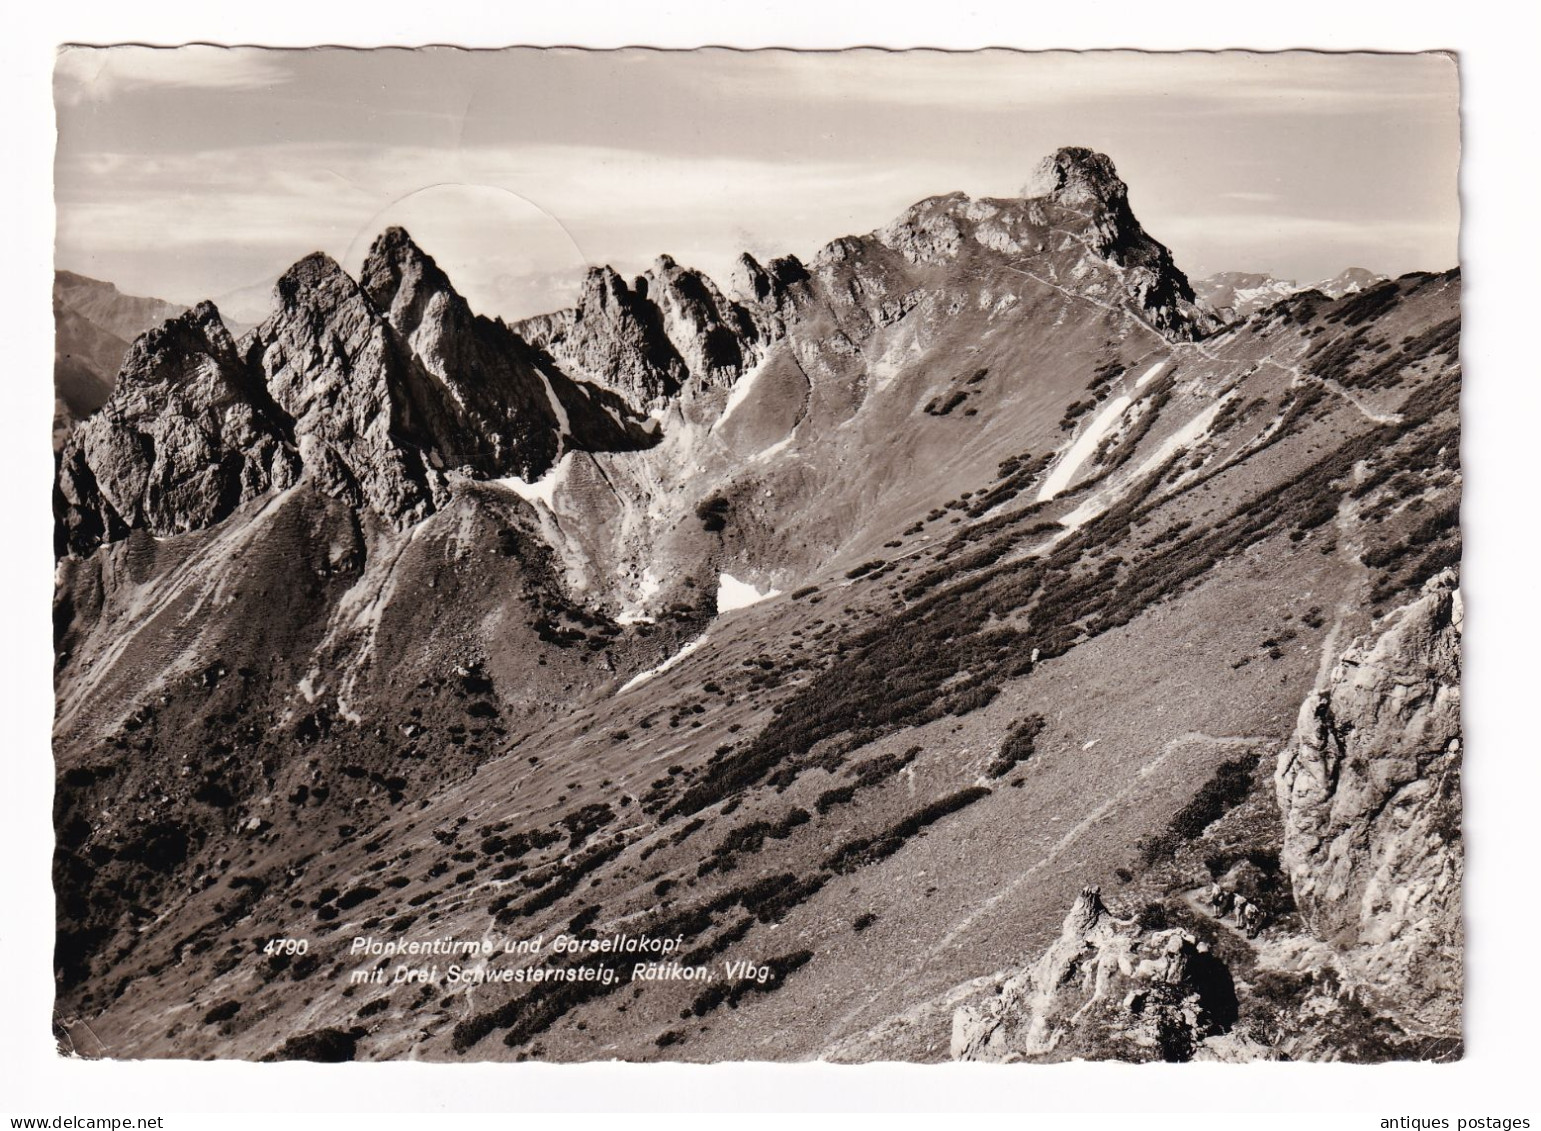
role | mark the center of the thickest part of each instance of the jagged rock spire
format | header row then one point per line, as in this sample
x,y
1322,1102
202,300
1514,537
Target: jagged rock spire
x,y
375,389
1080,188
187,436
402,280
1076,177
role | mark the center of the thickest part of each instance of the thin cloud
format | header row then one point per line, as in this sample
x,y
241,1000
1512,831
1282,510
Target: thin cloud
x,y
604,205
86,74
1300,81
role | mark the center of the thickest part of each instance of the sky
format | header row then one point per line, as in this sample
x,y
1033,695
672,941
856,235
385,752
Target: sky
x,y
203,172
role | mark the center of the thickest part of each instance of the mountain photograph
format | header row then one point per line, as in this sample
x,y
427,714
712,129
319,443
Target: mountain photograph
x,y
758,556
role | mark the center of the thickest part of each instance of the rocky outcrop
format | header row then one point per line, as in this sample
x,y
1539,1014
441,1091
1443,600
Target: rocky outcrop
x,y
94,323
377,389
648,340
927,232
1105,989
716,338
1072,229
478,397
1085,194
1370,794
613,336
768,287
187,436
329,360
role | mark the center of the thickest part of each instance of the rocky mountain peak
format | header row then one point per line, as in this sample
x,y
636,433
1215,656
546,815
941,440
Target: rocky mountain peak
x,y
1076,177
712,334
160,353
602,287
318,271
188,435
402,280
371,389
206,313
646,340
750,281
765,291
755,282
396,244
1083,189
614,336
94,323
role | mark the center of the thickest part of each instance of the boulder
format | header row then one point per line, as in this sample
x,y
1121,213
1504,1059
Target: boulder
x,y
1105,989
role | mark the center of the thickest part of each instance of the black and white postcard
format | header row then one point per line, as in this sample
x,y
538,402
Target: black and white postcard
x,y
723,555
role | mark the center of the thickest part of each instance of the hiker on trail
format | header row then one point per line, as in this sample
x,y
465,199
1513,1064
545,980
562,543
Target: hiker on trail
x,y
1223,901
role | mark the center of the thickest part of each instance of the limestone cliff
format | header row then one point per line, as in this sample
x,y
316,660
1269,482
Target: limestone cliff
x,y
187,436
1370,793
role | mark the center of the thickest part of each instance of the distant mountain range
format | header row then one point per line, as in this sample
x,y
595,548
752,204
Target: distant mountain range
x,y
848,624
1240,294
93,325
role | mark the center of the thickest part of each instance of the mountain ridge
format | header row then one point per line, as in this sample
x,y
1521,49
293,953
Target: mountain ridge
x,y
1240,294
1047,562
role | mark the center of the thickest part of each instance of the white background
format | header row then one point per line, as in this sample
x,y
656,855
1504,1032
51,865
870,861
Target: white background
x,y
1497,46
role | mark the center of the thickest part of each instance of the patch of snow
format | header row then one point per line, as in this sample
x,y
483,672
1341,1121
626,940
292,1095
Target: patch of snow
x,y
735,594
1088,441
543,488
643,677
1182,438
632,612
651,583
563,425
1081,516
778,446
1082,449
739,393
